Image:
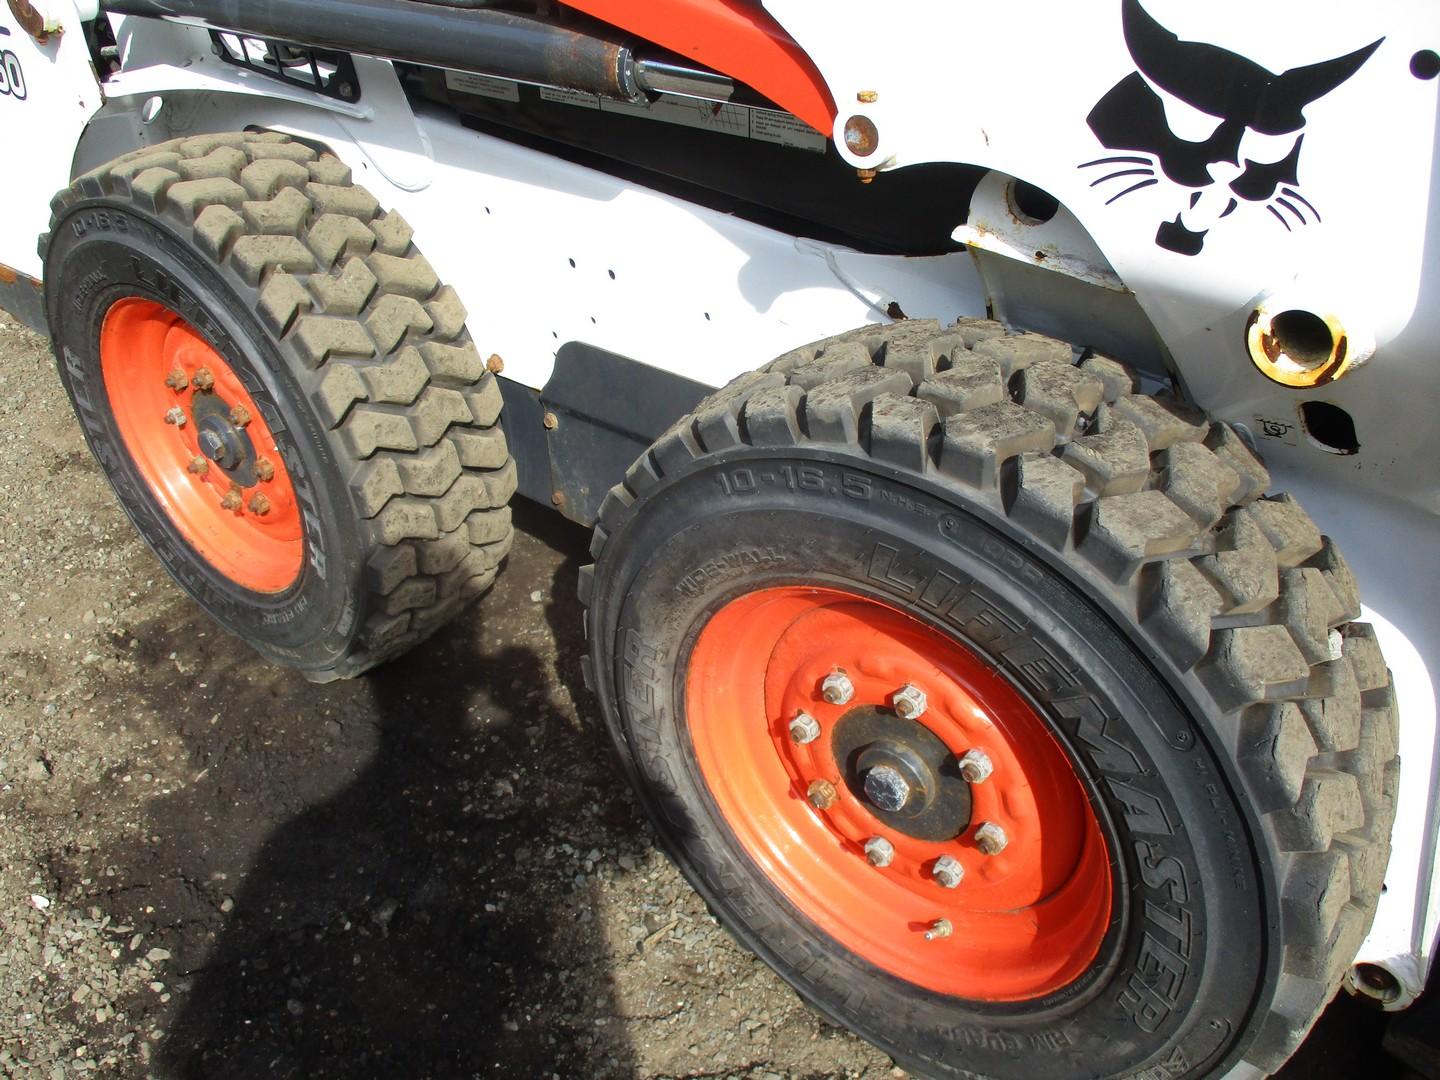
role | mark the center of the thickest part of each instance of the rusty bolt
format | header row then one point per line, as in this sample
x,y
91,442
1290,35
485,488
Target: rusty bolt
x,y
240,416
558,498
259,504
909,702
837,688
198,465
204,379
177,380
233,500
990,838
821,794
867,97
976,766
804,729
879,851
948,871
940,928
175,415
862,137
495,364
264,469
551,421
867,176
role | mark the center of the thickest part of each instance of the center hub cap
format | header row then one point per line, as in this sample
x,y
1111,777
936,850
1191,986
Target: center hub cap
x,y
906,776
886,788
222,441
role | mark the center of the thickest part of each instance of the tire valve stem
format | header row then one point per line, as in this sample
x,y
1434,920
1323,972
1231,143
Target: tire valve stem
x,y
232,500
264,469
175,415
821,794
177,380
240,416
940,928
259,504
204,379
198,465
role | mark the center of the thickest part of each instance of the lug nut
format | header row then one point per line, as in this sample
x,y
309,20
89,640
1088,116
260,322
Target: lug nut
x,y
264,469
879,851
198,465
821,794
240,416
804,729
990,838
908,702
976,766
175,415
837,688
177,380
495,364
948,871
940,928
232,500
259,504
204,379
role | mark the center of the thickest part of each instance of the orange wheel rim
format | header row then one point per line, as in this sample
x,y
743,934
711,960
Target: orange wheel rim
x,y
202,445
1022,923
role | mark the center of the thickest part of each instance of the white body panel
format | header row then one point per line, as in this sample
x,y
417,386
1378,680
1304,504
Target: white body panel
x,y
545,252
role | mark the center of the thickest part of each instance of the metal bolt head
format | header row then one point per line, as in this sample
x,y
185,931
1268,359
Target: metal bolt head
x,y
177,380
837,688
976,766
198,465
909,701
879,851
821,794
240,416
204,379
804,729
866,176
265,468
861,136
259,504
232,500
940,928
867,97
948,871
551,421
175,415
495,365
990,838
887,788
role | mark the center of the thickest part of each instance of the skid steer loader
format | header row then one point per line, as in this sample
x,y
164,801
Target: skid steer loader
x,y
928,374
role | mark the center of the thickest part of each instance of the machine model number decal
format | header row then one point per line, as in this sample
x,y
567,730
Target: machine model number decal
x,y
1220,129
12,77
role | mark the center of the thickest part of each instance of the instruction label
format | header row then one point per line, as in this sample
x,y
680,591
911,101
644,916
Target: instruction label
x,y
482,85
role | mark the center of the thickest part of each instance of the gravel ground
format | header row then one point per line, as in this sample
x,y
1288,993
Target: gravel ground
x,y
211,868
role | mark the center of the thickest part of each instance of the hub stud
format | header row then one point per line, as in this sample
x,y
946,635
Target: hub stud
x,y
175,415
909,702
948,871
990,838
837,688
879,851
821,794
204,379
177,380
804,729
940,928
198,465
976,766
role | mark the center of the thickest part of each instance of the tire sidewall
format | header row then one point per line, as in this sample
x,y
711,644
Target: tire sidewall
x,y
103,250
1166,991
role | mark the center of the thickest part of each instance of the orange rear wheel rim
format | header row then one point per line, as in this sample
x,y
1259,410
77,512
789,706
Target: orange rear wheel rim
x,y
1023,923
202,445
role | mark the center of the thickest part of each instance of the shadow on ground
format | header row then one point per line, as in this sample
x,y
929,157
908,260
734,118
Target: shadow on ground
x,y
387,877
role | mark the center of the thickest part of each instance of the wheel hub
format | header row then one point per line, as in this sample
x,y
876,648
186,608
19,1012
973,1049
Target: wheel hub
x,y
906,775
221,440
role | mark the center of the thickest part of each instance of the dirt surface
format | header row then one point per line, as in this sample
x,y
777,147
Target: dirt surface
x,y
211,868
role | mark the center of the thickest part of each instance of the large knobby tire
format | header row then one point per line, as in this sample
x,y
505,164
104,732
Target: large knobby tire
x,y
1193,747
243,288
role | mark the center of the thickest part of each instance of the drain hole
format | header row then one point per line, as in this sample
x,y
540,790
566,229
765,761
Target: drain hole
x,y
1375,982
1329,427
1032,205
1303,337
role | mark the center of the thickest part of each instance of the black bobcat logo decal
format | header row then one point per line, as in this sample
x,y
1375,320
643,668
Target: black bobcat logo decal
x,y
1212,121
